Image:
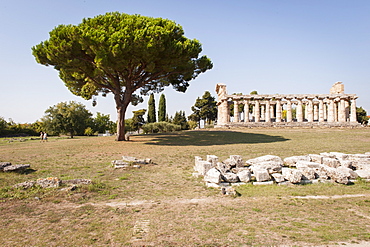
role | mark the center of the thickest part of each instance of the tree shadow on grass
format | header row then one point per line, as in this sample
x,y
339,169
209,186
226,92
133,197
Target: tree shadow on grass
x,y
209,138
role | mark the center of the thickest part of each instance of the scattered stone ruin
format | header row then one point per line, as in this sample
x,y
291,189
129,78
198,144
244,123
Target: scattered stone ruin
x,y
327,110
270,169
53,182
128,161
8,167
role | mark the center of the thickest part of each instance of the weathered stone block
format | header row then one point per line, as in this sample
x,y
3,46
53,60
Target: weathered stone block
x,y
212,176
135,160
222,167
357,165
16,168
349,173
279,178
4,164
359,156
266,158
202,167
77,181
270,166
316,158
230,191
336,175
307,172
25,185
119,162
346,163
327,155
261,175
292,161
292,175
332,162
213,159
244,175
363,173
50,182
238,160
340,156
229,177
321,172
307,164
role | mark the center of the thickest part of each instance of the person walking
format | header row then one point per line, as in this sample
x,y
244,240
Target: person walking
x,y
45,137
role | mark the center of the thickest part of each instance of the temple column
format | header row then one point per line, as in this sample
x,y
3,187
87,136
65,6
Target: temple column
x,y
353,118
342,111
331,111
246,111
257,111
278,111
223,113
267,114
321,110
299,111
325,110
309,111
289,111
262,112
315,112
346,108
236,112
272,111
335,105
306,111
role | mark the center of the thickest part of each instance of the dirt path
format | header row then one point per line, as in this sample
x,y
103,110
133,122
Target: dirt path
x,y
207,200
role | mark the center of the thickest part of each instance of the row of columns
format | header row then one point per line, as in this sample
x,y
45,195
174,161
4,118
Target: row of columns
x,y
342,109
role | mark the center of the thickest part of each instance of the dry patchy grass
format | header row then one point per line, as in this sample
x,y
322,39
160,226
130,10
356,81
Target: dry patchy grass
x,y
175,208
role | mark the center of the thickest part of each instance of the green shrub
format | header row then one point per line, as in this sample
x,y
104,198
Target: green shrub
x,y
160,127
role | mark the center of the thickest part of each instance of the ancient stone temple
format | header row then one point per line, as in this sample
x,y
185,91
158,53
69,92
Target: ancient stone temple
x,y
333,109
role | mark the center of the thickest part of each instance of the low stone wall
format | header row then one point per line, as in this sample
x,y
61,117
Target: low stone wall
x,y
270,169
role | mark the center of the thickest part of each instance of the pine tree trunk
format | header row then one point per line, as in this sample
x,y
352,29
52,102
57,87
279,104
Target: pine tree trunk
x,y
121,106
120,124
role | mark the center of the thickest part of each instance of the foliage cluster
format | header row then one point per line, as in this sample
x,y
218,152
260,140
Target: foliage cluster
x,y
204,109
73,118
162,109
361,115
126,55
10,128
152,118
160,127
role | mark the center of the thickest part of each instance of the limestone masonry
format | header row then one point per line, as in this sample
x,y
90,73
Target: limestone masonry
x,y
333,109
269,169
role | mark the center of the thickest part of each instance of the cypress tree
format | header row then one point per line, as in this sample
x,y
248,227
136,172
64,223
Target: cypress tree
x,y
162,109
151,110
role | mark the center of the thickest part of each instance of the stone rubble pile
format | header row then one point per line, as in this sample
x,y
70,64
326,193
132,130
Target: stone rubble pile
x,y
128,161
53,182
8,167
269,169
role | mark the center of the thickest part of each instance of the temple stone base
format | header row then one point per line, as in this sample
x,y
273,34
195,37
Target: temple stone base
x,y
289,125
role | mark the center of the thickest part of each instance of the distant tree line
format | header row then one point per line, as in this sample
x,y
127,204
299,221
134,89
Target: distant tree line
x,y
73,119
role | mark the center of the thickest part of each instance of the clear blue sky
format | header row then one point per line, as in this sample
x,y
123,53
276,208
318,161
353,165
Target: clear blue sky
x,y
285,46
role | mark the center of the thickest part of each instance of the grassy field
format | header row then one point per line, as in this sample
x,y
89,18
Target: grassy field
x,y
162,204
